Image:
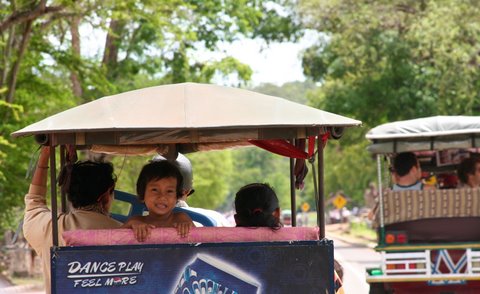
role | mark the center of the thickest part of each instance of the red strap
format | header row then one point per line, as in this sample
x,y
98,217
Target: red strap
x,y
281,147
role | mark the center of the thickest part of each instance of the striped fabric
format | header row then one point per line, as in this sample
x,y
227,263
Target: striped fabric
x,y
400,206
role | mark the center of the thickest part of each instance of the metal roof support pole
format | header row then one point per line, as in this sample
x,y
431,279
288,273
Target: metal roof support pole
x,y
53,193
293,202
380,198
62,164
321,190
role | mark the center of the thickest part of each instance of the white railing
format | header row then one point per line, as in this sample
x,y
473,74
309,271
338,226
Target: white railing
x,y
418,266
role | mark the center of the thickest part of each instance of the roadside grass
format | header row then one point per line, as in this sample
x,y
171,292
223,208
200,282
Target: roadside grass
x,y
23,281
360,229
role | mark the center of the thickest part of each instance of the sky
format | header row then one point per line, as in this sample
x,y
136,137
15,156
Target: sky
x,y
276,63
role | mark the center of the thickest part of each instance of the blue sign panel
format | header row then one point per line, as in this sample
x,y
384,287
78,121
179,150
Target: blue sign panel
x,y
227,268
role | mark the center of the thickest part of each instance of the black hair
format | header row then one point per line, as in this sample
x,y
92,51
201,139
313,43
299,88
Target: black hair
x,y
85,181
467,167
157,170
403,163
254,206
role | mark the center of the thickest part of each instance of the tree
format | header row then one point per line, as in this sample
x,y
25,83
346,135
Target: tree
x,y
380,57
45,66
381,61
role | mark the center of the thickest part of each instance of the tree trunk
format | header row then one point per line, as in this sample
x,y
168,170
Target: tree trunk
x,y
16,67
110,55
76,84
7,56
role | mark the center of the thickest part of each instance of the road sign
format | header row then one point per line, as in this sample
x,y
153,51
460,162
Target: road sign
x,y
339,201
305,207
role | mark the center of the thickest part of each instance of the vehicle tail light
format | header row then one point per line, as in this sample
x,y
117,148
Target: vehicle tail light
x,y
390,238
396,237
400,266
401,238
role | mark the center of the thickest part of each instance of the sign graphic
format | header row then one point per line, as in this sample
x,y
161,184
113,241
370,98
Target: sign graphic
x,y
339,201
227,268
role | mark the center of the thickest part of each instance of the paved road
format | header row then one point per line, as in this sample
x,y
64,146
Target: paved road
x,y
355,259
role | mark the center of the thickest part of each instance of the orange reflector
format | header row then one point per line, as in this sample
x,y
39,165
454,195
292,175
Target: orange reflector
x,y
390,238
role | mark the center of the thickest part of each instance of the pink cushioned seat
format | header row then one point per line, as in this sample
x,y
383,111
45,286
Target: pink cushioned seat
x,y
197,235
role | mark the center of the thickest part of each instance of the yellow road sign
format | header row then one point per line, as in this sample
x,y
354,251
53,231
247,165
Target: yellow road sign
x,y
339,201
305,207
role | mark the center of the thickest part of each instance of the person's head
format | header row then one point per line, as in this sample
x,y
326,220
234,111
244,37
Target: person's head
x,y
256,205
469,172
158,170
89,183
406,163
185,167
159,186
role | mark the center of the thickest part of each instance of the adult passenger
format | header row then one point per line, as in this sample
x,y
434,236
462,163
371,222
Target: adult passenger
x,y
89,187
407,173
469,173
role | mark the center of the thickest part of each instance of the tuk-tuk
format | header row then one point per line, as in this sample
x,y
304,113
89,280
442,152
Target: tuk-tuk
x,y
429,240
185,118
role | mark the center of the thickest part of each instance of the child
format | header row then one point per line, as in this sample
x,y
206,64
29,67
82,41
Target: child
x,y
159,186
256,205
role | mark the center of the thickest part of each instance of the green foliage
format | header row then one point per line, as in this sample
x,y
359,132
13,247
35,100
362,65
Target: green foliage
x,y
379,57
382,61
152,43
212,171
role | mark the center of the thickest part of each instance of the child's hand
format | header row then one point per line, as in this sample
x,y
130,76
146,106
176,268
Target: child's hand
x,y
140,229
183,228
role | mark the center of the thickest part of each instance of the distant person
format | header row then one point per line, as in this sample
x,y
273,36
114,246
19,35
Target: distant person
x,y
469,173
185,167
407,173
159,186
89,187
256,205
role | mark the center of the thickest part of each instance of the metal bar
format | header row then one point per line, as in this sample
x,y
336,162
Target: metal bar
x,y
293,202
53,193
321,190
380,199
62,164
315,189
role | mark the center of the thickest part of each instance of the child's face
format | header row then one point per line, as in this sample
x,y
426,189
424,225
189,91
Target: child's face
x,y
161,196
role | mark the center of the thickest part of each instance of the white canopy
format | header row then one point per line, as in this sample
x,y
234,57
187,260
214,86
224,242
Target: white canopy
x,y
429,133
187,113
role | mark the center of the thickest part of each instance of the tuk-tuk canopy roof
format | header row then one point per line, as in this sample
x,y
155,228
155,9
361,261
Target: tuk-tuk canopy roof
x,y
429,133
187,113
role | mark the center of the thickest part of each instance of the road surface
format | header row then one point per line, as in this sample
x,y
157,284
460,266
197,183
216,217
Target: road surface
x,y
355,258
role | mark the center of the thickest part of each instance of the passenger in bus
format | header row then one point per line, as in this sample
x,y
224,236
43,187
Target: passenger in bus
x,y
256,205
89,187
185,167
159,186
469,173
407,173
